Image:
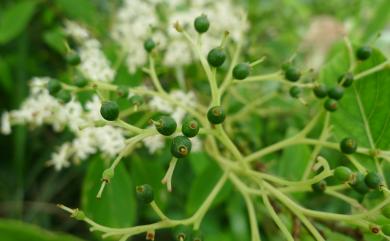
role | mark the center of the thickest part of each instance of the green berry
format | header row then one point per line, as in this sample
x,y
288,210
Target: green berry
x,y
149,45
182,233
241,71
386,229
347,78
359,184
80,82
166,125
386,211
330,105
292,74
320,91
73,58
145,193
363,53
319,187
201,24
216,57
136,100
348,145
53,86
181,146
336,92
373,180
197,236
295,91
343,173
109,110
64,96
285,66
122,91
216,115
190,127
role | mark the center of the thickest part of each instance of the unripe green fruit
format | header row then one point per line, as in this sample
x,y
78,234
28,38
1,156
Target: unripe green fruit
x,y
292,74
241,71
201,24
295,91
181,146
149,45
358,184
348,79
80,82
145,193
122,91
386,211
182,233
343,174
336,92
53,86
386,229
109,110
216,115
136,100
190,127
197,236
373,180
319,187
64,96
330,105
363,53
320,91
166,125
216,57
348,145
73,58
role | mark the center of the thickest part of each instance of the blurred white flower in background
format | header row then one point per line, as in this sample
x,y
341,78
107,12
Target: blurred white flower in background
x,y
137,20
5,124
94,64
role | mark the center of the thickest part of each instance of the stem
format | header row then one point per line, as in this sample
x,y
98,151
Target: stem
x,y
158,211
168,176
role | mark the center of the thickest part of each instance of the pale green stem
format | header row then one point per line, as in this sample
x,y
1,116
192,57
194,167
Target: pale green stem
x,y
158,211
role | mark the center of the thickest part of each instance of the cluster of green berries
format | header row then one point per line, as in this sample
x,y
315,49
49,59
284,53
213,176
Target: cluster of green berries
x,y
181,145
55,89
358,181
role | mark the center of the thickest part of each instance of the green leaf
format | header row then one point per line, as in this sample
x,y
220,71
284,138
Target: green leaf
x,y
78,9
18,231
117,206
364,111
56,40
14,19
203,185
294,160
381,18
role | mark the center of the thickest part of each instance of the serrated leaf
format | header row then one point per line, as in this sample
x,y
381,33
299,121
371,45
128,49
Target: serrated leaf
x,y
363,112
12,230
14,19
117,206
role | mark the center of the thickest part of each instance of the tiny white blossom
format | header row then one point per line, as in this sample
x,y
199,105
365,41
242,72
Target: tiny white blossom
x,y
76,31
5,124
154,143
60,159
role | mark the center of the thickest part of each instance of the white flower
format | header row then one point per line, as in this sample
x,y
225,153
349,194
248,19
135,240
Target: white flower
x,y
94,65
76,31
60,159
154,143
5,124
93,107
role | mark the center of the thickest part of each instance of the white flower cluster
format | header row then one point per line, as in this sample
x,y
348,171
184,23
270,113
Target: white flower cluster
x,y
138,20
94,64
40,108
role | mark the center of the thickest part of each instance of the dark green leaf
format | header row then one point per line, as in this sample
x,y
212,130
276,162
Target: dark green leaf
x,y
14,19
